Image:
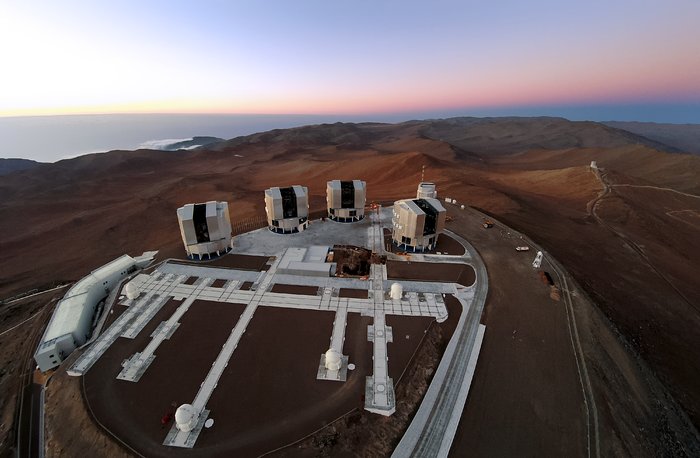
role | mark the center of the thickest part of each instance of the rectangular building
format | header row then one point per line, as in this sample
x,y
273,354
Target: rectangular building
x,y
417,223
287,209
346,200
71,323
205,228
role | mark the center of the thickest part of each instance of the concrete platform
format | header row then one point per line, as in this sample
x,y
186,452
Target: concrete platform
x,y
340,375
420,299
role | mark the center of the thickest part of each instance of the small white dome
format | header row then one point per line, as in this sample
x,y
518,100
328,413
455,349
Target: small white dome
x,y
132,290
396,291
185,417
333,360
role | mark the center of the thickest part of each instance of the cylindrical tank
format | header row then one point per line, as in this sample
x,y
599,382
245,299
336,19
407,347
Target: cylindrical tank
x,y
333,360
132,290
396,291
426,189
186,418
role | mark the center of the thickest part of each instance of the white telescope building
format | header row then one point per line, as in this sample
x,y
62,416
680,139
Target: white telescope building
x,y
287,209
205,229
71,323
417,223
426,190
346,200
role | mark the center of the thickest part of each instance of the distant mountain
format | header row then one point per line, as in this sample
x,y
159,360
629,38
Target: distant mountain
x,y
509,135
684,137
469,137
13,165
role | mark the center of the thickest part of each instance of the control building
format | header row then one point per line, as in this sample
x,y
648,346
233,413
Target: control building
x,y
287,209
205,229
71,323
417,223
426,190
346,200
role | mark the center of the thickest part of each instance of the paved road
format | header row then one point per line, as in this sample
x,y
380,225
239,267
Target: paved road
x,y
658,188
590,408
31,424
434,426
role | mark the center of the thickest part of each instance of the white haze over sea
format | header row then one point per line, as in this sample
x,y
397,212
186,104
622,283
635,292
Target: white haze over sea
x,y
164,143
52,138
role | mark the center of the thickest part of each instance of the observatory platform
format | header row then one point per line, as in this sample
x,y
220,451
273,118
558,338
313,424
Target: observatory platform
x,y
242,345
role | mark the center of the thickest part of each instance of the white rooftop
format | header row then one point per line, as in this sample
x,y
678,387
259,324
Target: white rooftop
x,y
70,308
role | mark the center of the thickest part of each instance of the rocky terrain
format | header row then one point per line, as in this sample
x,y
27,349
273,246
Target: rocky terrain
x,y
627,234
14,165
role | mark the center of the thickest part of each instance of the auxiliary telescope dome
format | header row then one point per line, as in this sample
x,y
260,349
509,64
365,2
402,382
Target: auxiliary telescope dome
x,y
396,291
186,417
333,360
132,290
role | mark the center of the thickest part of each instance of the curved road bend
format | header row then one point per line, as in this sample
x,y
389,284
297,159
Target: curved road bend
x,y
593,205
433,428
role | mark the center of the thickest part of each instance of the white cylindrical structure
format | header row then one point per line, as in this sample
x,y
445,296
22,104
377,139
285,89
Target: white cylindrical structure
x,y
462,207
132,290
333,360
426,189
186,418
396,291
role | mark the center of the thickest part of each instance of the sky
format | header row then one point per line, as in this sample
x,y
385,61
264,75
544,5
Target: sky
x,y
352,58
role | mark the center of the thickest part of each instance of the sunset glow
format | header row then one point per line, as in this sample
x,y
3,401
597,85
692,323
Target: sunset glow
x,y
325,58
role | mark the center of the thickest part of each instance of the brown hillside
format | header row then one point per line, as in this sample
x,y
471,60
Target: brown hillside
x,y
633,249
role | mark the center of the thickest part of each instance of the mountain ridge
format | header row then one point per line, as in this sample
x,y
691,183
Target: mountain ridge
x,y
684,137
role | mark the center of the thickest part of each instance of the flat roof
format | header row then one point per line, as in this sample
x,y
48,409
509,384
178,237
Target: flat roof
x,y
412,205
69,309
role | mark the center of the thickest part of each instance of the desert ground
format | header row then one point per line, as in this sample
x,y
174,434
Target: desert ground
x,y
626,235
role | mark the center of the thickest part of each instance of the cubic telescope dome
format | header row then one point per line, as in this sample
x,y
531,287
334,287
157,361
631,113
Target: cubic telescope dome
x,y
333,360
186,418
